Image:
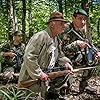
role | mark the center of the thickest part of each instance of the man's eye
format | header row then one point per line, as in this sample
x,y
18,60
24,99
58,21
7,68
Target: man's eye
x,y
79,18
61,23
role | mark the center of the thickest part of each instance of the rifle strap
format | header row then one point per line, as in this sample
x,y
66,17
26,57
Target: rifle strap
x,y
61,83
58,82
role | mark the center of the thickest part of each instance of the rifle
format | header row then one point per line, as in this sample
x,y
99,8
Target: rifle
x,y
15,74
52,75
17,60
90,46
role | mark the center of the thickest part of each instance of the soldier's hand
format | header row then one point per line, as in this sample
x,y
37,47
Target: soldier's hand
x,y
81,44
69,67
98,55
43,76
10,54
9,74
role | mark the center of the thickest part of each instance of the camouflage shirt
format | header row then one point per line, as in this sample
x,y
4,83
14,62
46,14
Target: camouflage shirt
x,y
69,48
16,61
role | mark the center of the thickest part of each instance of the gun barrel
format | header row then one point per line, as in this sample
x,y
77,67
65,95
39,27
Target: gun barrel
x,y
86,68
88,44
52,75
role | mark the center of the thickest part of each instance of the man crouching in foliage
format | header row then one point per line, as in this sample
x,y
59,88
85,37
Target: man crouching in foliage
x,y
77,47
43,52
12,55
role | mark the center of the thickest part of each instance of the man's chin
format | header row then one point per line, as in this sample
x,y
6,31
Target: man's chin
x,y
61,32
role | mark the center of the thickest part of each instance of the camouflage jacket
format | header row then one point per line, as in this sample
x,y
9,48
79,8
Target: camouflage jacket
x,y
70,48
16,61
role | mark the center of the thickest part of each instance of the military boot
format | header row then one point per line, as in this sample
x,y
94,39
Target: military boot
x,y
84,87
65,89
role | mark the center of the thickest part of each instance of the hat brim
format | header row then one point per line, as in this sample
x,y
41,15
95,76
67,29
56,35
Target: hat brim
x,y
56,20
82,14
18,34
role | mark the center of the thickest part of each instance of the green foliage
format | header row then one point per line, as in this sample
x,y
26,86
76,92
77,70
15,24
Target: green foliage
x,y
40,11
39,19
95,15
3,24
11,92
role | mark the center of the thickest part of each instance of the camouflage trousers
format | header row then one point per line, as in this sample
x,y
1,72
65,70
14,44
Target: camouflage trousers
x,y
86,75
38,90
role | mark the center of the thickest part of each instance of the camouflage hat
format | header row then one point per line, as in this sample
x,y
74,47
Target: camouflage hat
x,y
80,11
17,33
56,16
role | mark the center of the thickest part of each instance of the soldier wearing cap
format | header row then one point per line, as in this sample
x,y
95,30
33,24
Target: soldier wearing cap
x,y
43,51
12,54
75,48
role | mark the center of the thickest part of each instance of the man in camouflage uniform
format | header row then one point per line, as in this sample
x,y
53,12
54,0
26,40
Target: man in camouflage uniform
x,y
70,45
12,55
43,51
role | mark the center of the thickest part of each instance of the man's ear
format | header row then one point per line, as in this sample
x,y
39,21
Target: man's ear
x,y
52,24
73,18
13,37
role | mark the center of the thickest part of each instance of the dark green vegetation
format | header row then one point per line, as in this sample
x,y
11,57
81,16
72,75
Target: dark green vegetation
x,y
11,92
31,16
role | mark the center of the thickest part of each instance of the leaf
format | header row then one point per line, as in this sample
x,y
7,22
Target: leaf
x,y
6,94
29,96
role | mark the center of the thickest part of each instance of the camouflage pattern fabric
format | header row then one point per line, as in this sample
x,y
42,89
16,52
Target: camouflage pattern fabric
x,y
14,63
70,50
74,52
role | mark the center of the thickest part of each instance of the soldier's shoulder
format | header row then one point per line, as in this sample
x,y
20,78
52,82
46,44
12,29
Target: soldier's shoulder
x,y
40,34
44,34
39,37
67,25
22,44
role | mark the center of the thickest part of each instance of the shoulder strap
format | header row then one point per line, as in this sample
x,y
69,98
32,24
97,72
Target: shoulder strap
x,y
67,29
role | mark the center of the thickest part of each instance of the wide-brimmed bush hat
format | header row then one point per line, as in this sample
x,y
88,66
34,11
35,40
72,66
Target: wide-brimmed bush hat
x,y
56,16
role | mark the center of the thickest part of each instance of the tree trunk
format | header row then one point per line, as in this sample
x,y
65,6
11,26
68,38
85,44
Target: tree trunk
x,y
23,20
98,28
65,7
60,6
12,19
1,3
30,18
85,6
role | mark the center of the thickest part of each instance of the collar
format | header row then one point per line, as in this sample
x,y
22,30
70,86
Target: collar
x,y
48,31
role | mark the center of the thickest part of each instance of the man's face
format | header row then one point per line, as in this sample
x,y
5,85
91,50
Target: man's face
x,y
58,27
18,38
79,21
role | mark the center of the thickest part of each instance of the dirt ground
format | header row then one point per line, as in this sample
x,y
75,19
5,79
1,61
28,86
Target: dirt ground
x,y
93,82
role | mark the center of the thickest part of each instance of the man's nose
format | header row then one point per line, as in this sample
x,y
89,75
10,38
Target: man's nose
x,y
83,21
21,36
